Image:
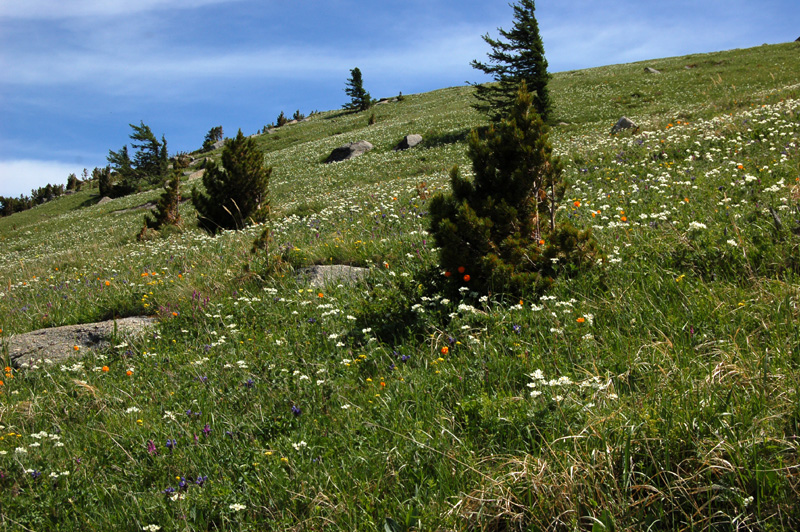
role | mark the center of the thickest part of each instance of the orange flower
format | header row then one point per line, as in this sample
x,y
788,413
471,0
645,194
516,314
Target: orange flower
x,y
174,314
624,219
541,242
461,269
1,383
108,283
577,203
581,319
129,373
445,350
447,274
76,347
383,384
320,295
467,278
740,167
105,369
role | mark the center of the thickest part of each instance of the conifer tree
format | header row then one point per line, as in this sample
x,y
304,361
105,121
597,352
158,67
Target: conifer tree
x,y
72,182
491,231
166,212
214,135
237,192
520,57
103,178
360,100
281,120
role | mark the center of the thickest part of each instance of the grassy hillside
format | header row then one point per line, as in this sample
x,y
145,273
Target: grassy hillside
x,y
659,391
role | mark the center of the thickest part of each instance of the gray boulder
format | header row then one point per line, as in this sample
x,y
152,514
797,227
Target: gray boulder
x,y
319,276
622,124
409,141
652,70
348,151
57,344
103,200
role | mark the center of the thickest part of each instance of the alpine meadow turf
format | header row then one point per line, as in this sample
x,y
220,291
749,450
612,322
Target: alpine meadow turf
x,y
658,390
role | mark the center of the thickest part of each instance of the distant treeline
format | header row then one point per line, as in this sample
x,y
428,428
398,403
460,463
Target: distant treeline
x,y
39,195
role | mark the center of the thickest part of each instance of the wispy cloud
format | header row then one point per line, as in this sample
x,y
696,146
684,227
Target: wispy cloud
x,y
130,68
57,9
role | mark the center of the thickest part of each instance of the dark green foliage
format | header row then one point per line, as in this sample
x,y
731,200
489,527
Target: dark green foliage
x,y
72,182
150,159
360,100
166,212
298,115
491,231
519,58
124,174
181,161
372,120
281,120
148,166
214,135
103,178
237,192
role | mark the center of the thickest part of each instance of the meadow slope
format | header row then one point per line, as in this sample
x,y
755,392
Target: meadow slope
x,y
658,391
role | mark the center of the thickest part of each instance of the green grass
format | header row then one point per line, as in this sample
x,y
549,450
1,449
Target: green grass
x,y
657,392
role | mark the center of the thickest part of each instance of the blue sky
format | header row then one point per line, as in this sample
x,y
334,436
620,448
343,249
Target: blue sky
x,y
75,73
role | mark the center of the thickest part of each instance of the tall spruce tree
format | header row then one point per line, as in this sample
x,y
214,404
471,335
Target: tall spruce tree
x,y
360,99
148,165
236,192
519,57
493,232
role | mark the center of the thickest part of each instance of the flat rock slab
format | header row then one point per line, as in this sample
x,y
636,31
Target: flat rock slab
x,y
58,343
319,276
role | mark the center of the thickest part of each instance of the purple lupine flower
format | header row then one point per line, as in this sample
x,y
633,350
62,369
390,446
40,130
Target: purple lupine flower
x,y
296,410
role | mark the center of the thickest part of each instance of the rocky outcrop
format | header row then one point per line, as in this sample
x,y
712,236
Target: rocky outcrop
x,y
56,344
348,151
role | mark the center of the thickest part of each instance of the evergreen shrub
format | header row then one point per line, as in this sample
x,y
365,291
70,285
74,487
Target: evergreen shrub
x,y
497,232
236,192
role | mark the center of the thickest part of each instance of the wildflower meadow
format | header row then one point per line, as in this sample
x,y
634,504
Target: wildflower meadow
x,y
657,391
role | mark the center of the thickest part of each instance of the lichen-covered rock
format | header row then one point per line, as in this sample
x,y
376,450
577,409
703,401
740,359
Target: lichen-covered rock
x,y
59,343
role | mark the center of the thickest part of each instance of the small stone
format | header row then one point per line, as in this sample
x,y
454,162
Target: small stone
x,y
623,123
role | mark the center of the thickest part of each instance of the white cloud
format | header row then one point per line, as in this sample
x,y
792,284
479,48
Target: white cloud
x,y
21,176
127,68
58,9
